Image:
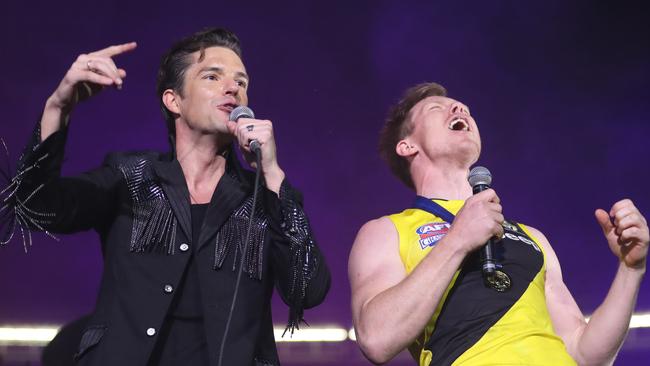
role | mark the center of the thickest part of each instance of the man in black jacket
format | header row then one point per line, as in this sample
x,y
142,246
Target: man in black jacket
x,y
174,226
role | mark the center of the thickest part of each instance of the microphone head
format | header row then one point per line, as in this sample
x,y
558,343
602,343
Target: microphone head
x,y
479,176
241,112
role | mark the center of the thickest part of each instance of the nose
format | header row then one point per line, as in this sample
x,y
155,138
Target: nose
x,y
459,108
231,87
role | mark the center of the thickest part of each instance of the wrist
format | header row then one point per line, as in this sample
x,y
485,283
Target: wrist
x,y
53,103
55,116
637,270
449,244
274,176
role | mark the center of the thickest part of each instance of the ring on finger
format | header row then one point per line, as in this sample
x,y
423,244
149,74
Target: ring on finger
x,y
250,128
88,65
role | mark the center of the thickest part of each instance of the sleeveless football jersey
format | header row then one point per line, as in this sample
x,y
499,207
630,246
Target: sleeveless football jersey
x,y
474,324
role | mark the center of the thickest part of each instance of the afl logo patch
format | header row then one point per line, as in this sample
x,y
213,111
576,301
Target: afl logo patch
x,y
432,232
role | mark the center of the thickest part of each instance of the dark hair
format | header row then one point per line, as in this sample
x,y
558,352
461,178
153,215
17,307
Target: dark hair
x,y
398,125
177,60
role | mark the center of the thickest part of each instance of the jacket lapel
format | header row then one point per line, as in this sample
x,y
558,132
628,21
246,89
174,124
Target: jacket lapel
x,y
230,193
173,183
228,196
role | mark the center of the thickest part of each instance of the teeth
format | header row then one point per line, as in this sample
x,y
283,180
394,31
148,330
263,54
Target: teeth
x,y
454,124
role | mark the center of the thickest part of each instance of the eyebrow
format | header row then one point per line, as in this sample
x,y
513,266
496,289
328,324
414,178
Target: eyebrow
x,y
219,70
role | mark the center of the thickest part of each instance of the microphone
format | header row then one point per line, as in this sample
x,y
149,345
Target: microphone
x,y
244,112
480,179
237,113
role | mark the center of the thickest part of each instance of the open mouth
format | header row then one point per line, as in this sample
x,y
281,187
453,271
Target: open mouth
x,y
459,124
227,107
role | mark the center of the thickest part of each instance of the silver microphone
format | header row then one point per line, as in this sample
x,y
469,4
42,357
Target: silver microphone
x,y
244,112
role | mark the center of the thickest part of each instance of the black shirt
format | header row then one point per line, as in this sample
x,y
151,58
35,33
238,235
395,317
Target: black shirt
x,y
183,340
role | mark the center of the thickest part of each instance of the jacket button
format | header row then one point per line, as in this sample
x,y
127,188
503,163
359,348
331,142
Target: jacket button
x,y
184,247
151,332
168,289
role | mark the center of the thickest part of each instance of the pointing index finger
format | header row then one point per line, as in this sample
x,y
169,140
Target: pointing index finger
x,y
117,49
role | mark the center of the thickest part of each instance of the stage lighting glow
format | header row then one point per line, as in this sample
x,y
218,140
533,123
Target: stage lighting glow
x,y
640,321
26,335
41,335
352,335
312,334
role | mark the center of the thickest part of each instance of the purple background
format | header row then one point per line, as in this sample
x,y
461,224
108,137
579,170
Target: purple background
x,y
560,93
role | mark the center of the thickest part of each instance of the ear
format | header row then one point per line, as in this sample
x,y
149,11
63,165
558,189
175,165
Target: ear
x,y
170,100
405,148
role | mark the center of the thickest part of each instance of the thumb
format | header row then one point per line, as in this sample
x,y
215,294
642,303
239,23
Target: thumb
x,y
603,220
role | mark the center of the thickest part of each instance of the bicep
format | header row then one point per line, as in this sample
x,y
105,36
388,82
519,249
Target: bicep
x,y
374,264
565,314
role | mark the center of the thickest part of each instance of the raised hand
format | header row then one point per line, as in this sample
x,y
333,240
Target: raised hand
x,y
88,75
626,231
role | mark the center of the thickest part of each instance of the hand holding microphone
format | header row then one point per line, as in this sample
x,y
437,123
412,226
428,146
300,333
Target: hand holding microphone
x,y
480,179
257,141
246,113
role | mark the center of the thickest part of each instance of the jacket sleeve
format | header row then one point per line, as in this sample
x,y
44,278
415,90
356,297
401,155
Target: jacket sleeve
x,y
42,200
302,276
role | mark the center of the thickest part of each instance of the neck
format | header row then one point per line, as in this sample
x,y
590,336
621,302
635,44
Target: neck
x,y
442,181
202,159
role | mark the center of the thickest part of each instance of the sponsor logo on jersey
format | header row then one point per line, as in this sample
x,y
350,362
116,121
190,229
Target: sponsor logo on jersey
x,y
522,239
432,232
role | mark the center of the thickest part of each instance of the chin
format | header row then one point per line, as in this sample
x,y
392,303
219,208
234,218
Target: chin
x,y
218,127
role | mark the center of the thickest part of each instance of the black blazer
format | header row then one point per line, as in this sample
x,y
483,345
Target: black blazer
x,y
139,204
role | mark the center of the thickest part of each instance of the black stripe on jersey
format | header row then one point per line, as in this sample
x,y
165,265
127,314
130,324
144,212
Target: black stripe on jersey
x,y
471,308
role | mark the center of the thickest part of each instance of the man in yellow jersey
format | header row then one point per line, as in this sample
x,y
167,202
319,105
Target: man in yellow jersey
x,y
416,276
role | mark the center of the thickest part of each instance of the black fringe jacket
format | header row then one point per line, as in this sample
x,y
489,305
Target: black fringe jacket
x,y
139,204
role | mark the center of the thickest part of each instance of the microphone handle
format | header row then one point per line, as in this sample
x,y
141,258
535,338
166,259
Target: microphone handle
x,y
255,146
487,261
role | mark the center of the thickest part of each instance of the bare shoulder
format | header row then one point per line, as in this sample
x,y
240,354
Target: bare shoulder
x,y
375,236
381,228
375,252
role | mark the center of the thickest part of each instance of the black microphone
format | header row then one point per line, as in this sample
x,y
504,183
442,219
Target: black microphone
x,y
480,180
245,112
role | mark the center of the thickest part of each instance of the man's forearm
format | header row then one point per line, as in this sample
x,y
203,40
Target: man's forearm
x,y
599,341
54,118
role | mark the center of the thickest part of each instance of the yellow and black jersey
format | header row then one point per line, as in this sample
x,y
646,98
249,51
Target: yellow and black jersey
x,y
474,324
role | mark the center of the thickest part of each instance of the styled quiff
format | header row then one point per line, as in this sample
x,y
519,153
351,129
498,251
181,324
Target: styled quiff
x,y
399,125
174,63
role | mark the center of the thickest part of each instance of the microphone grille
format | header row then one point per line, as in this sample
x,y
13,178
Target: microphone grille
x,y
479,175
241,112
